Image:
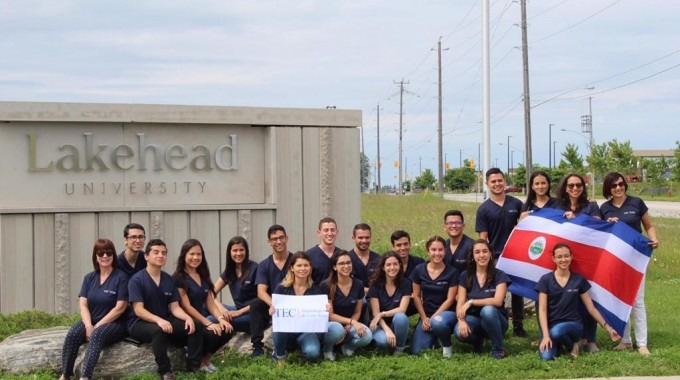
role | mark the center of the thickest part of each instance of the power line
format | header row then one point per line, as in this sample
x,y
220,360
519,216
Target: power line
x,y
547,10
576,24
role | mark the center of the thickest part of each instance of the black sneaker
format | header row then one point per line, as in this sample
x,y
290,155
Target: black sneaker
x,y
257,351
518,330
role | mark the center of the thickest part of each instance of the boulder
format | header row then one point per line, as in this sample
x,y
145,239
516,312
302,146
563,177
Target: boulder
x,y
39,350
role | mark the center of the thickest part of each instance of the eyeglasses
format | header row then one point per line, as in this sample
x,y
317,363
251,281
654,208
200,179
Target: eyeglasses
x,y
104,253
574,185
136,237
454,224
277,238
344,264
618,184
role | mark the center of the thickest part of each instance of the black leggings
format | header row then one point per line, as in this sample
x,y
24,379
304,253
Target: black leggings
x,y
150,332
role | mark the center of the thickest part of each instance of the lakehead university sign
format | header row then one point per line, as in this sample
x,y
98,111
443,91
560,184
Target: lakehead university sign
x,y
73,173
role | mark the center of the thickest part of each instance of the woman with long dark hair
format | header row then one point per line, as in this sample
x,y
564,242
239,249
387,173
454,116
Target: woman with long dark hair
x,y
539,194
435,285
574,197
103,299
389,295
621,207
346,296
239,273
481,296
197,293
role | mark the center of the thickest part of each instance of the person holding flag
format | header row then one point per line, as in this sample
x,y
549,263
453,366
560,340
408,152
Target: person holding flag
x,y
559,293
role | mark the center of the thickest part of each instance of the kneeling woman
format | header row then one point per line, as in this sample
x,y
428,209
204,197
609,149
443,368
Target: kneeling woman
x,y
481,294
197,293
434,293
389,295
103,299
559,293
298,282
346,296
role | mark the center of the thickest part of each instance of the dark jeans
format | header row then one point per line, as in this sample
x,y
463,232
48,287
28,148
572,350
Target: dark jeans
x,y
150,332
517,303
259,321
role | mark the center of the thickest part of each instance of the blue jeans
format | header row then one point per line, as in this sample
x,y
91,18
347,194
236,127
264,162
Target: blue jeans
x,y
336,331
441,327
562,334
308,342
241,324
399,327
491,324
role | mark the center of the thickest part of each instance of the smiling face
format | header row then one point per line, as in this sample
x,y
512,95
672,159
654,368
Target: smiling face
x,y
301,269
436,252
194,257
453,225
574,187
562,258
343,266
327,233
279,242
402,247
540,185
157,256
496,184
391,267
238,253
362,239
105,258
481,254
618,188
135,240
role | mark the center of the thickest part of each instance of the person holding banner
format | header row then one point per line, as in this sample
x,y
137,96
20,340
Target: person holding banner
x,y
571,192
346,296
298,282
559,293
197,293
633,211
435,285
481,297
538,196
389,295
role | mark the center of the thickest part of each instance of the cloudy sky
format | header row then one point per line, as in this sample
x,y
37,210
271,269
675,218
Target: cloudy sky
x,y
349,54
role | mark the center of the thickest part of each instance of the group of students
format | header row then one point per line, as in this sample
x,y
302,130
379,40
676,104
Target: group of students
x,y
457,292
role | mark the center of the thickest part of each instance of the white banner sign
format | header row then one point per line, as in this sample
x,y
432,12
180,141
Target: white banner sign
x,y
299,313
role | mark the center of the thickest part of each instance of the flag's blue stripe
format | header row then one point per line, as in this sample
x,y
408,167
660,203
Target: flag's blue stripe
x,y
523,287
611,319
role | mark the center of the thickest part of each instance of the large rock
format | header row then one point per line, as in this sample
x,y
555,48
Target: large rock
x,y
38,350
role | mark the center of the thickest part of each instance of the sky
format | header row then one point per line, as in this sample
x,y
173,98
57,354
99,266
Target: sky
x,y
621,56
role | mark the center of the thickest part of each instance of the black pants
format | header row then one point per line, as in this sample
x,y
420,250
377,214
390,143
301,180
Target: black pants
x,y
211,341
101,336
517,304
150,332
259,321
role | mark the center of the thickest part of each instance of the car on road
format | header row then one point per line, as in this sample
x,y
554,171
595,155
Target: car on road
x,y
513,189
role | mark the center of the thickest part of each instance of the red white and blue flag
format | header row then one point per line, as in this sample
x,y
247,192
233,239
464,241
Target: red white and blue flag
x,y
612,256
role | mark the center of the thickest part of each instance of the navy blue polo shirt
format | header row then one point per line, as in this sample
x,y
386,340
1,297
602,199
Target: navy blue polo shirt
x,y
269,274
320,263
197,293
388,302
551,203
498,221
102,298
434,291
630,212
314,290
413,262
458,259
477,292
345,304
243,290
125,266
361,271
591,208
563,302
156,298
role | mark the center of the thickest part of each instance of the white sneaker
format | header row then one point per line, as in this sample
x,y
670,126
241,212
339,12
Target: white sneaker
x,y
347,351
330,356
447,351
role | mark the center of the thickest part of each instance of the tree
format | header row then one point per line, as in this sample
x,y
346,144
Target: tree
x,y
676,162
621,158
572,159
599,160
365,171
425,180
460,178
654,170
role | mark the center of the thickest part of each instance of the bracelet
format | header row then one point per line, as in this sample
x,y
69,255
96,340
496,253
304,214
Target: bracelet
x,y
209,324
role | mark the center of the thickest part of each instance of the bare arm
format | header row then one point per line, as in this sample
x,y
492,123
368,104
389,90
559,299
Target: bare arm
x,y
484,235
649,228
546,342
588,303
263,295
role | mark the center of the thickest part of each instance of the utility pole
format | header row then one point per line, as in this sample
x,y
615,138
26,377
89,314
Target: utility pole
x,y
378,128
439,120
486,87
362,140
401,129
550,153
587,127
527,104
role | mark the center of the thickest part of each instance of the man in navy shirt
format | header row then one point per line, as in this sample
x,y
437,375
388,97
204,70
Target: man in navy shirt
x,y
321,254
458,245
157,316
364,261
401,244
131,260
270,272
496,218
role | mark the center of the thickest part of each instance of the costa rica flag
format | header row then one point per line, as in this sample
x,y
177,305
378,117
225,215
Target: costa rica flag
x,y
612,256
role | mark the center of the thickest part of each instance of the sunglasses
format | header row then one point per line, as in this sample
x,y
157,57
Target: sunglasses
x,y
574,185
618,184
104,253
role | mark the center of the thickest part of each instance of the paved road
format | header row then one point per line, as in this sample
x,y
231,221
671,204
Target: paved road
x,y
656,208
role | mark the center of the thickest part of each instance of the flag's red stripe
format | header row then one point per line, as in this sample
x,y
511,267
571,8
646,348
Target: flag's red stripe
x,y
620,278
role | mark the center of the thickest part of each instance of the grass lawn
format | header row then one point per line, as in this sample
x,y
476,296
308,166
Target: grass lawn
x,y
421,215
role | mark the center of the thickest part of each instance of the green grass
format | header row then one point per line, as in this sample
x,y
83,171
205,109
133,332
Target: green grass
x,y
422,217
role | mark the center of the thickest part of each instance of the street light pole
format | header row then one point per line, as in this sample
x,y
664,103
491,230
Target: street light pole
x,y
509,154
550,163
554,151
